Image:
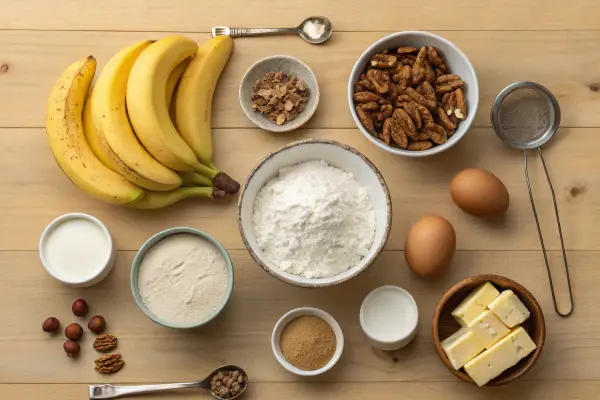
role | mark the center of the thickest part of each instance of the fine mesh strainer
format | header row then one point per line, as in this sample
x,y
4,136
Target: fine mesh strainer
x,y
525,115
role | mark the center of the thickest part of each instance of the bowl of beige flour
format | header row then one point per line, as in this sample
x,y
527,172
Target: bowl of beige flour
x,y
182,278
315,213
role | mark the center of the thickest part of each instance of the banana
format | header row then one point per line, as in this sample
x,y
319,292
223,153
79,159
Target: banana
x,y
64,129
155,200
195,94
173,80
146,93
195,179
124,153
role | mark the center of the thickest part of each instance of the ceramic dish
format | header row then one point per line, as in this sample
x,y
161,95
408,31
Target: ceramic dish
x,y
391,302
290,66
299,312
337,155
444,324
138,260
106,265
457,62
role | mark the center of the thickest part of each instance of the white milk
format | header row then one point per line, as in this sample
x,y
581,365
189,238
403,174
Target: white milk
x,y
76,250
389,314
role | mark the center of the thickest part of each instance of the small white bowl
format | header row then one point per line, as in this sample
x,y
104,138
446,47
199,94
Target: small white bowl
x,y
405,304
338,155
290,66
107,263
299,312
457,62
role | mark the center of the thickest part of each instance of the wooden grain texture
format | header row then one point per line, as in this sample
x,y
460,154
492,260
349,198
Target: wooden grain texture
x,y
568,63
555,43
242,334
347,15
348,391
39,192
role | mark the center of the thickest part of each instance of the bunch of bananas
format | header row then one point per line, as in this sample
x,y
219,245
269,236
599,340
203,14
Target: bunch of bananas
x,y
141,137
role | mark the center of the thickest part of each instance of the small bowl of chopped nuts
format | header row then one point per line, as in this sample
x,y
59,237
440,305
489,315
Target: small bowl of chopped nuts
x,y
279,93
413,93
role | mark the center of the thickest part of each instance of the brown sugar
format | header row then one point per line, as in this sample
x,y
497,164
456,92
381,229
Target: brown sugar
x,y
308,343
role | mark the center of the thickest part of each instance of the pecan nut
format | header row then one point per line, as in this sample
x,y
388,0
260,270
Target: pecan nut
x,y
365,120
105,342
429,72
437,133
365,97
413,110
403,77
109,364
425,115
419,98
370,106
405,121
461,106
384,61
420,145
379,79
406,50
427,91
435,59
445,120
448,87
392,128
418,70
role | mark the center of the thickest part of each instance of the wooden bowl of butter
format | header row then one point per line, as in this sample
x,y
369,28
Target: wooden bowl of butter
x,y
488,330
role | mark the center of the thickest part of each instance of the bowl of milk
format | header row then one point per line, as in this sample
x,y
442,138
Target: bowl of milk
x,y
77,250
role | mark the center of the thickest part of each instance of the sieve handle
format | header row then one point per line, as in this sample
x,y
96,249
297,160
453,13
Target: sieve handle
x,y
562,243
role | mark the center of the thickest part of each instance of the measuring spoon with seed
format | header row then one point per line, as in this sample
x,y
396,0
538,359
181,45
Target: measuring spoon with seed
x,y
101,392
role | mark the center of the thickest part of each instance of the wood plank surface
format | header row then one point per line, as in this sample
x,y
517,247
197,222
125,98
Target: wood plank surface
x,y
568,63
39,192
348,391
555,43
242,334
347,15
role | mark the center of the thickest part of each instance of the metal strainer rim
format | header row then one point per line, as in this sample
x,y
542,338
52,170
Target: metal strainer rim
x,y
542,139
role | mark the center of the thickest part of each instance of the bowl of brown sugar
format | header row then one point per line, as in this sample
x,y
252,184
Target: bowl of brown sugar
x,y
307,341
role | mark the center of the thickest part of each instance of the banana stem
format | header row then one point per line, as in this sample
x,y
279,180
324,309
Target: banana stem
x,y
219,179
195,179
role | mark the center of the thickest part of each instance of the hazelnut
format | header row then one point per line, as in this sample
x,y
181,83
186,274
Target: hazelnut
x,y
50,325
97,324
71,348
80,308
73,331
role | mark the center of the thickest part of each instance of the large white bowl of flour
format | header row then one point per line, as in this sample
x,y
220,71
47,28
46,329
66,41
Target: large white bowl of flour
x,y
315,213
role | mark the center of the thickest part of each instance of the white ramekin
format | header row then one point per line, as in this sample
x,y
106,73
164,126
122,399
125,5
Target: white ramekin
x,y
401,340
299,312
107,265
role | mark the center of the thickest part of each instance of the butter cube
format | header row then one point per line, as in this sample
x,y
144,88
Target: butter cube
x,y
462,347
506,353
509,309
475,304
488,329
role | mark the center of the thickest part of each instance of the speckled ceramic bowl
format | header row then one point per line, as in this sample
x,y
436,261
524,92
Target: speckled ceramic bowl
x,y
290,66
137,261
338,155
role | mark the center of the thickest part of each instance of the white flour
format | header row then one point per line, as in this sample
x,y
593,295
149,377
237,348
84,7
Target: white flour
x,y
183,279
314,220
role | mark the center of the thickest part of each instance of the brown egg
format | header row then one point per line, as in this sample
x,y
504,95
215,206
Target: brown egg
x,y
479,193
430,245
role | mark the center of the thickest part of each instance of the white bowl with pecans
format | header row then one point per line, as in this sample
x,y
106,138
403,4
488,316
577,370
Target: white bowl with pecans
x,y
413,93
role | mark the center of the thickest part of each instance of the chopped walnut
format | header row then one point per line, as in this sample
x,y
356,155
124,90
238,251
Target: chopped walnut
x,y
280,97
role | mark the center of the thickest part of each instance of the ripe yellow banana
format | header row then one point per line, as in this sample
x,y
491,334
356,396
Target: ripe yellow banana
x,y
173,80
64,129
154,200
146,93
195,179
195,94
109,117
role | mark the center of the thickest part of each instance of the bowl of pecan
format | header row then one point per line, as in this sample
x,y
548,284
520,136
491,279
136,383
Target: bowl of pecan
x,y
279,93
413,93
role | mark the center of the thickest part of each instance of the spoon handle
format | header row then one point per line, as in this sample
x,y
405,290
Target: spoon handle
x,y
246,32
100,392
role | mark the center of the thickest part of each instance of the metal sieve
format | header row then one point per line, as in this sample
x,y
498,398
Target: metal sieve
x,y
525,115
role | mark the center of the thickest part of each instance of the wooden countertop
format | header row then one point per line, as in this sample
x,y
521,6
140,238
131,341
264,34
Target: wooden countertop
x,y
556,43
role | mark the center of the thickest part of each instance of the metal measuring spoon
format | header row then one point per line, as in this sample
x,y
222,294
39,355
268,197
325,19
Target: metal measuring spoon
x,y
313,29
112,391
